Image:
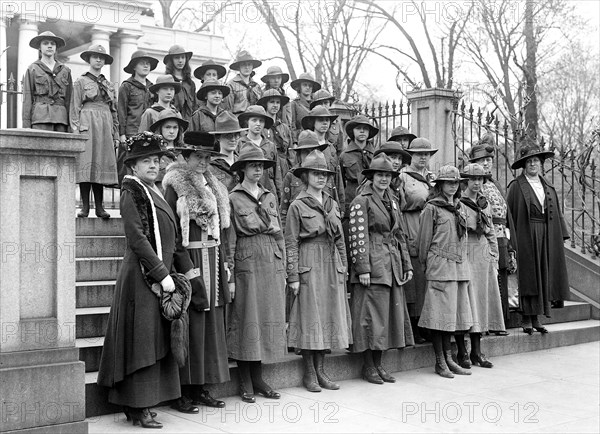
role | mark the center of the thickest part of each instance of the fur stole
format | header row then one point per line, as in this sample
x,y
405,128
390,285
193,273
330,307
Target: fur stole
x,y
208,207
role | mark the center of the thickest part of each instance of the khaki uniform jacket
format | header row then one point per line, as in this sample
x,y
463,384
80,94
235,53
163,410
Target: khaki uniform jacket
x,y
134,99
352,162
271,178
242,95
204,120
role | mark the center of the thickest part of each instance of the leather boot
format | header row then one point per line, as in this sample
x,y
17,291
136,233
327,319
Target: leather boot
x,y
441,368
99,201
246,389
454,367
323,379
310,376
84,189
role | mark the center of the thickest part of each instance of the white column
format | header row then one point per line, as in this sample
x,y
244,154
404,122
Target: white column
x,y
129,45
27,55
3,66
115,68
101,35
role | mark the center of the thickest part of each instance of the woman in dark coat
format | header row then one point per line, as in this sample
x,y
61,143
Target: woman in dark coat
x,y
380,267
201,203
137,362
316,254
256,320
177,63
539,233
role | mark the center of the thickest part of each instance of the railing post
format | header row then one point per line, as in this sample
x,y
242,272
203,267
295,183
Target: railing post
x,y
573,200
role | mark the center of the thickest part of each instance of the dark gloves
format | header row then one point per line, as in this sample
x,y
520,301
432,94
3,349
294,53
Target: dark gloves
x,y
199,294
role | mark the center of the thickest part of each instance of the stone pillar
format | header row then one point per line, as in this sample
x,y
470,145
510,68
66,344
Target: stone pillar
x,y
115,68
129,45
101,35
3,76
42,385
27,55
431,117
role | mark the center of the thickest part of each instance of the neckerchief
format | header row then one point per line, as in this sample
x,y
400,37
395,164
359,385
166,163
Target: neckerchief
x,y
482,218
459,219
418,177
328,211
102,88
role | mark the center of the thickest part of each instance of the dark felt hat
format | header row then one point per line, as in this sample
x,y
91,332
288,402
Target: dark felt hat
x,y
380,163
319,111
273,71
305,77
256,111
527,151
209,85
209,64
167,115
47,35
242,57
272,93
143,145
165,81
308,139
250,153
474,170
483,148
99,50
314,161
319,97
227,123
421,145
198,141
390,148
360,120
176,50
401,132
136,57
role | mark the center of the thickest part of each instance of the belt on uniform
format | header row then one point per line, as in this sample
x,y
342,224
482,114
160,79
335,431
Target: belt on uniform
x,y
499,221
203,244
49,100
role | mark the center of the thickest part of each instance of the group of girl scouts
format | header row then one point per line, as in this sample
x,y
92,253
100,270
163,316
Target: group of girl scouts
x,y
273,219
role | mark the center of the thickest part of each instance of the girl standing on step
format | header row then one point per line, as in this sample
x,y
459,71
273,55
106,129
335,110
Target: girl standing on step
x,y
94,112
177,63
442,251
316,256
380,268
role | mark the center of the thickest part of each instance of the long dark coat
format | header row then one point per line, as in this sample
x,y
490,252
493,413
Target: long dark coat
x,y
521,201
137,335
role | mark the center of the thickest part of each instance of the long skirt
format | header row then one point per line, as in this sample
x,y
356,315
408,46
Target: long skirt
x,y
97,163
320,315
380,318
447,307
148,386
538,304
207,355
415,289
257,315
484,294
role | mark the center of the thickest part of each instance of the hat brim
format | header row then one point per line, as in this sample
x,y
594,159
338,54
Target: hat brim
x,y
406,157
201,94
306,119
264,100
300,170
36,41
130,158
155,87
285,77
266,163
395,138
201,70
317,102
422,151
236,65
108,59
467,176
369,172
295,84
520,163
320,147
186,152
350,125
183,124
473,160
188,56
243,117
239,130
130,68
433,181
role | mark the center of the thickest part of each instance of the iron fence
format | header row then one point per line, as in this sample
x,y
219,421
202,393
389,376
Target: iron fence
x,y
386,117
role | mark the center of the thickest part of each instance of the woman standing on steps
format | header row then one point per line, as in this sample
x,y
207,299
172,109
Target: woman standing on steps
x,y
177,64
94,112
442,250
380,268
316,256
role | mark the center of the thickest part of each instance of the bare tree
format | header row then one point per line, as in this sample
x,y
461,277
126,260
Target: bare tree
x,y
197,14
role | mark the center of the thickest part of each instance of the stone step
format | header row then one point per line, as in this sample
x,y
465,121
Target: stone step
x,y
90,350
94,269
94,246
91,322
93,226
341,365
573,311
95,293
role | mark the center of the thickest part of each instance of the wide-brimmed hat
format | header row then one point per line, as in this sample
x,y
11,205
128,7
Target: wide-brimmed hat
x,y
273,71
198,141
209,64
314,161
527,151
319,111
165,81
474,170
227,123
380,163
99,50
319,97
176,50
250,153
209,85
421,145
256,111
400,132
136,57
166,115
390,148
483,148
242,57
272,93
305,77
308,139
360,120
47,35
144,144
448,173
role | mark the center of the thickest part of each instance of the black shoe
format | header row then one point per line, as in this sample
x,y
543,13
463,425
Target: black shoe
x,y
102,214
557,304
184,405
84,213
462,360
142,417
247,397
480,360
204,398
528,330
384,375
371,375
127,412
418,340
501,333
543,330
271,394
